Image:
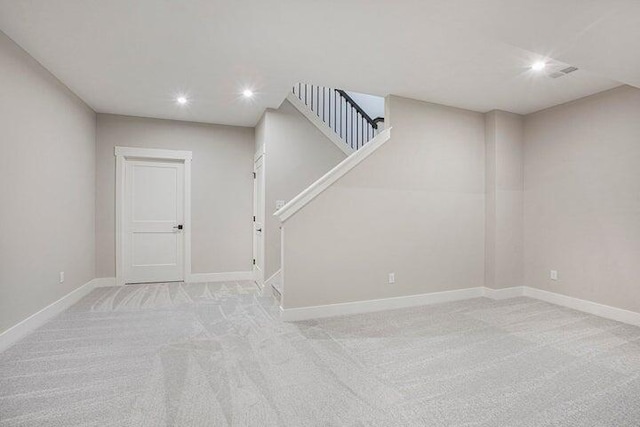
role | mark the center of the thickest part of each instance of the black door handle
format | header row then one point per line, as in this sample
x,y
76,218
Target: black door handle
x,y
178,227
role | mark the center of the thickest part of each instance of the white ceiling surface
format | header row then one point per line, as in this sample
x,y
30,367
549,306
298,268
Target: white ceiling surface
x,y
134,57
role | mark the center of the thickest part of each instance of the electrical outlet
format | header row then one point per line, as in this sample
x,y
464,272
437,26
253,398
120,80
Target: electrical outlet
x,y
553,274
279,204
392,278
62,277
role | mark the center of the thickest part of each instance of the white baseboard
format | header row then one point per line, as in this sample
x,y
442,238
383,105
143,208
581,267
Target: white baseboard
x,y
102,282
504,293
606,311
18,331
220,277
314,312
193,278
358,307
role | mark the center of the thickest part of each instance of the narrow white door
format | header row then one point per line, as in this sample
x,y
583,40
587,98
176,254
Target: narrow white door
x,y
153,225
258,220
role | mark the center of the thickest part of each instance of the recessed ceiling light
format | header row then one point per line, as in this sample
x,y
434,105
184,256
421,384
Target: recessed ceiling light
x,y
538,66
247,93
182,100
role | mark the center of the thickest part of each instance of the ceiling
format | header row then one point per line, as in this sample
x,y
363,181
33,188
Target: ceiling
x,y
135,57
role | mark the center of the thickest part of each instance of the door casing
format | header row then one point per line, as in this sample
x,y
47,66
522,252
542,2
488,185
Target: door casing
x,y
259,212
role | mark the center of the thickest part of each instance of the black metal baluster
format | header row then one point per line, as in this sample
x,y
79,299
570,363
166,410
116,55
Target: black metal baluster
x,y
358,131
346,122
360,126
335,110
357,118
355,128
366,132
347,127
351,117
340,117
329,109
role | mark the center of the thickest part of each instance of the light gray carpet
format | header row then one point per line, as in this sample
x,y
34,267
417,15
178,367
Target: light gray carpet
x,y
217,354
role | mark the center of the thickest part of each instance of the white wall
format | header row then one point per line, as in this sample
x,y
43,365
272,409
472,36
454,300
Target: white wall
x,y
47,184
415,207
504,213
297,154
582,198
222,187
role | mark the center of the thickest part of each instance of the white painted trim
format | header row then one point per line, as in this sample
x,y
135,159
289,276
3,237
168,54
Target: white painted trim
x,y
606,311
601,310
332,176
153,153
357,307
504,293
321,125
103,282
220,277
120,194
187,220
28,325
275,278
282,266
124,153
259,278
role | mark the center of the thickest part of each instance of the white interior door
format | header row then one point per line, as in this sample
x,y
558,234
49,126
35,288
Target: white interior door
x,y
153,223
258,220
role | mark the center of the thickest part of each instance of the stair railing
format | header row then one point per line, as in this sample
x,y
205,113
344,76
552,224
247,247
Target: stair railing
x,y
340,112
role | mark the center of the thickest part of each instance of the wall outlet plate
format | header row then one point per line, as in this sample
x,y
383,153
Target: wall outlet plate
x,y
61,277
553,274
280,204
392,278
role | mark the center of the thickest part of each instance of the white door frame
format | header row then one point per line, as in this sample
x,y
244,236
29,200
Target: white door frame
x,y
262,209
125,153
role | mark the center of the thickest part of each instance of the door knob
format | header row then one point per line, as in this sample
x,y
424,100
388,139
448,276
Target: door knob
x,y
177,227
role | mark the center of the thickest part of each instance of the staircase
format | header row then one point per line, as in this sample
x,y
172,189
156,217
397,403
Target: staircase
x,y
340,112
